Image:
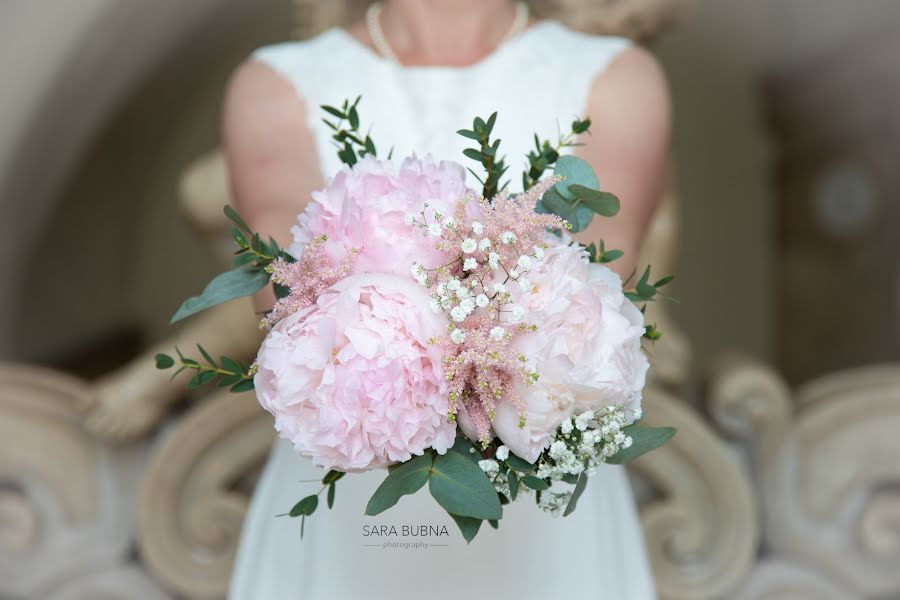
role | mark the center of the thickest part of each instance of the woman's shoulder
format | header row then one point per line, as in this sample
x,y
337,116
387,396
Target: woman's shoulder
x,y
556,40
303,55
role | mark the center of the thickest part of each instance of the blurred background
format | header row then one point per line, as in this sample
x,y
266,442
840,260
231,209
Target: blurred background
x,y
780,365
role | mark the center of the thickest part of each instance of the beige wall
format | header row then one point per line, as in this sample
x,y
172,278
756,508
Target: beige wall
x,y
725,282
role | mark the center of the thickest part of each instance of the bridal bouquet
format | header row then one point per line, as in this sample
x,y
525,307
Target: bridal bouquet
x,y
457,337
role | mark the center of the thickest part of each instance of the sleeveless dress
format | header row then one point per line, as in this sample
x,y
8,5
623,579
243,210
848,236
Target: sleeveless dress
x,y
538,82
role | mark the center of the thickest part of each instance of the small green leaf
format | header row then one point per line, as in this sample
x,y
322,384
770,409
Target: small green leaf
x,y
229,364
206,356
602,203
332,476
228,380
224,287
520,464
664,281
242,260
235,218
164,361
239,238
333,111
489,126
644,439
465,447
200,378
580,485
473,154
353,117
581,126
513,480
242,386
281,291
494,523
462,488
576,171
469,134
610,256
305,507
535,483
408,478
468,526
331,495
579,217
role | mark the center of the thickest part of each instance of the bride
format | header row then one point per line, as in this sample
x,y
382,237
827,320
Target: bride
x,y
425,68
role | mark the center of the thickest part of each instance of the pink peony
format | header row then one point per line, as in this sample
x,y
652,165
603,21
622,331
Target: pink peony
x,y
352,381
586,350
365,208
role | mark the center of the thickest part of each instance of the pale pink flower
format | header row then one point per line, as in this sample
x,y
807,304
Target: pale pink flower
x,y
352,380
547,406
368,208
588,340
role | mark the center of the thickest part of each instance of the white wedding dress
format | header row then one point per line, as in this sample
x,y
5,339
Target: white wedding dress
x,y
538,82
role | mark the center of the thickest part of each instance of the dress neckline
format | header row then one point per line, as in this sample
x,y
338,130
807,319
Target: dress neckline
x,y
507,46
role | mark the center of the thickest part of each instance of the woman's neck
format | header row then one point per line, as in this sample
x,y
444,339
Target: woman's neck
x,y
445,32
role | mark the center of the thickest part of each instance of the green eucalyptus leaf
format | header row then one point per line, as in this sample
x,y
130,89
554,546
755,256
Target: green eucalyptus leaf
x,y
200,378
535,483
242,260
462,488
468,526
602,203
331,495
333,111
580,485
644,439
305,507
206,355
224,287
164,361
469,134
228,380
520,464
465,447
576,171
235,218
245,385
229,364
579,217
513,480
332,476
610,256
408,478
473,154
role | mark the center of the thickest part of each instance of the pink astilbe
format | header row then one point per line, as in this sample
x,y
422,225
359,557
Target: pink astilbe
x,y
307,278
494,245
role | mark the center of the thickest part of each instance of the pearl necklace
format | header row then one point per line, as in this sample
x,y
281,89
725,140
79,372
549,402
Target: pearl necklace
x,y
382,47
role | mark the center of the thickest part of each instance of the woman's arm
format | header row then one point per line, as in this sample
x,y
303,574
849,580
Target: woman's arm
x,y
271,153
630,113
